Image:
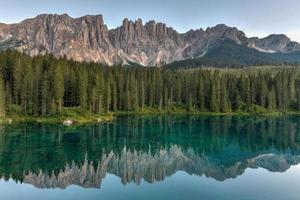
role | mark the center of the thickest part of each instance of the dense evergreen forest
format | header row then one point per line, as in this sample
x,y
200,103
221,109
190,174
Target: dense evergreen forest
x,y
44,86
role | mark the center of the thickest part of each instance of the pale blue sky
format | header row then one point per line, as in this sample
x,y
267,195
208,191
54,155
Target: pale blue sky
x,y
255,17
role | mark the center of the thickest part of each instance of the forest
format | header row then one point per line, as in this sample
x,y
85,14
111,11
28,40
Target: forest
x,y
45,86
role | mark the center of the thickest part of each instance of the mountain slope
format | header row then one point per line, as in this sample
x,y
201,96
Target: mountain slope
x,y
230,54
88,39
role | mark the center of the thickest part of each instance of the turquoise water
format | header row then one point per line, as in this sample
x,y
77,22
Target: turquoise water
x,y
153,158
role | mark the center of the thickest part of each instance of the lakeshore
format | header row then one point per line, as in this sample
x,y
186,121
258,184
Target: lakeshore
x,y
80,117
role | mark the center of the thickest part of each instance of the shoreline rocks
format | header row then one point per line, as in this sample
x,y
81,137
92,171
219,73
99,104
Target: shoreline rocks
x,y
68,122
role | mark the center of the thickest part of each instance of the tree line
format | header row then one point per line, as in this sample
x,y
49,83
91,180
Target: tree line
x,y
45,85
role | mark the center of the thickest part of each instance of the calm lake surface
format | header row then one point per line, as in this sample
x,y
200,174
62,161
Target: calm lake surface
x,y
243,158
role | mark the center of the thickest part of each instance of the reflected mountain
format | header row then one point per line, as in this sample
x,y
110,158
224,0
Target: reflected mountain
x,y
147,148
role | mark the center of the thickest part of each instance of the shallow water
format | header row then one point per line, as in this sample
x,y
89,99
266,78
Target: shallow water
x,y
153,158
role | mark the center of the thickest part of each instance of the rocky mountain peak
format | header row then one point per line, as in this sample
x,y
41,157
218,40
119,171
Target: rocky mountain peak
x,y
217,28
275,43
277,37
88,39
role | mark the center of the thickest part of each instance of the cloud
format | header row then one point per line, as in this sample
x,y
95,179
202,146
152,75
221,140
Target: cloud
x,y
294,34
256,34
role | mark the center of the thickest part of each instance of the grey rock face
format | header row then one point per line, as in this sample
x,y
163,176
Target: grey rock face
x,y
275,43
88,39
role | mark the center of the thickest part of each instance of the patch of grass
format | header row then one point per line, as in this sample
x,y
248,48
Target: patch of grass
x,y
78,115
81,116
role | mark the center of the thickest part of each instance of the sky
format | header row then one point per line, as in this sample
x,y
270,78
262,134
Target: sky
x,y
255,17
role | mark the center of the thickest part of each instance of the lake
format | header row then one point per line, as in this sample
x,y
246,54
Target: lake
x,y
153,157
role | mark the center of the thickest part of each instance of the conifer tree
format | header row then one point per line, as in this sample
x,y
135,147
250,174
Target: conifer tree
x,y
107,94
58,87
142,95
2,97
201,97
44,88
114,96
190,105
83,89
297,86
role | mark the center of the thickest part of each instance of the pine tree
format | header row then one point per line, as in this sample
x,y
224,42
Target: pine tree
x,y
99,91
44,88
58,87
213,97
271,100
190,105
83,89
178,91
2,97
201,96
114,96
142,96
263,92
297,86
107,94
248,95
225,105
166,100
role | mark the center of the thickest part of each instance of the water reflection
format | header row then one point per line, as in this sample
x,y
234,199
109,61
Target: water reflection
x,y
148,148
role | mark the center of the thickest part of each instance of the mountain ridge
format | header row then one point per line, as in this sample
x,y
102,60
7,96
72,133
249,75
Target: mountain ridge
x,y
230,54
88,38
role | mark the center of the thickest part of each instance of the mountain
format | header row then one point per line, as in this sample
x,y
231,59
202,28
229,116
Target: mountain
x,y
230,54
88,39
